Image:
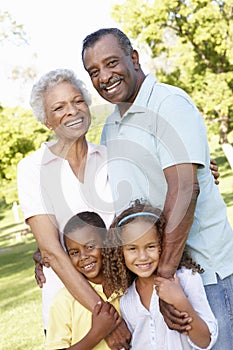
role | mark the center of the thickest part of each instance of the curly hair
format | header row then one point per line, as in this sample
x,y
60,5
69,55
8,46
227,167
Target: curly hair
x,y
117,277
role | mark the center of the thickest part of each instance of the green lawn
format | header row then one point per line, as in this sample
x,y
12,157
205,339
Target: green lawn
x,y
20,297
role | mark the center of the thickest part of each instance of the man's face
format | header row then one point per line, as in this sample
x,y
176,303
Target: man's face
x,y
113,73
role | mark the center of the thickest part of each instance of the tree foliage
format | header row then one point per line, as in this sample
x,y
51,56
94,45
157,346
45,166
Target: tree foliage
x,y
10,30
20,134
191,43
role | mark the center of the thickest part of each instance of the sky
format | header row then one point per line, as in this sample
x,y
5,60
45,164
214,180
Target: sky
x,y
55,29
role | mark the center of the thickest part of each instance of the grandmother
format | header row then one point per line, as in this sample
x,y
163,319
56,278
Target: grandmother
x,y
62,178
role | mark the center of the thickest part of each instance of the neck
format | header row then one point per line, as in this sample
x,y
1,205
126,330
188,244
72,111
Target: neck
x,y
70,149
75,153
124,106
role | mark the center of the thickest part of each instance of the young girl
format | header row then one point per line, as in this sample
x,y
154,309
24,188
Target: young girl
x,y
131,257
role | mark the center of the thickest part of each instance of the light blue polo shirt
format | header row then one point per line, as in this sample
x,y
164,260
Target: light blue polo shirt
x,y
162,128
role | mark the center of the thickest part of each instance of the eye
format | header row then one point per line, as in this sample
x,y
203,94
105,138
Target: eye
x,y
131,249
74,253
93,73
153,246
58,108
91,246
79,101
113,63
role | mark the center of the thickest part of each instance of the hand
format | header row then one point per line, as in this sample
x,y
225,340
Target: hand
x,y
170,292
175,320
39,274
120,337
105,319
214,170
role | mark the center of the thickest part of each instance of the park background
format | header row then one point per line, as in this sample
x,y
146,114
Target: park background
x,y
184,43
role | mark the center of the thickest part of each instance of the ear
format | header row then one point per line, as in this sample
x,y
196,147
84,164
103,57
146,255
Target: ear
x,y
135,59
48,125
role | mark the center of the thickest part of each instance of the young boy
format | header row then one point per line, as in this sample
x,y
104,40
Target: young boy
x,y
71,325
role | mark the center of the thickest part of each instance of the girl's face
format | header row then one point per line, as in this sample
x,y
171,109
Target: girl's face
x,y
84,248
141,247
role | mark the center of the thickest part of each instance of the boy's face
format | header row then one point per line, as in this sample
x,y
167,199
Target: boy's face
x,y
84,248
141,248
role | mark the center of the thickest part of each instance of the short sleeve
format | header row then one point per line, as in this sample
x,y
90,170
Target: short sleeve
x,y
30,189
180,132
59,332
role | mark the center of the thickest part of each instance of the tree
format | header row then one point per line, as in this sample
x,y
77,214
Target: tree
x,y
192,43
10,30
20,134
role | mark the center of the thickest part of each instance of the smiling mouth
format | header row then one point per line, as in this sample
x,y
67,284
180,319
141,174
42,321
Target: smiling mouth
x,y
74,123
144,266
88,267
110,88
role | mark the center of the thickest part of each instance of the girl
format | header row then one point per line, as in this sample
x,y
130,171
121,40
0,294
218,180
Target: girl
x,y
131,257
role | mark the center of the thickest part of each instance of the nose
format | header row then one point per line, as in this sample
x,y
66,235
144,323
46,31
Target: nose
x,y
142,254
104,75
83,255
71,109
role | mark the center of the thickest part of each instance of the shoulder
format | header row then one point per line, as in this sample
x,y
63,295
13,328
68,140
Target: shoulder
x,y
63,296
188,278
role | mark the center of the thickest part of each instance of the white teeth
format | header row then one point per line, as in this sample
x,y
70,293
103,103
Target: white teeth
x,y
112,86
88,266
76,122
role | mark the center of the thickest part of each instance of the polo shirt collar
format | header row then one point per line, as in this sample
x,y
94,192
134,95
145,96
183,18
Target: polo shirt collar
x,y
141,100
48,156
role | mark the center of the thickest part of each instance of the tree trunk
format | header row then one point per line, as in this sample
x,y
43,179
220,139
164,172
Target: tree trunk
x,y
223,129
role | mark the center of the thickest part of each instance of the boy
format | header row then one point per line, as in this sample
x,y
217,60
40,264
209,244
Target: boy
x,y
71,325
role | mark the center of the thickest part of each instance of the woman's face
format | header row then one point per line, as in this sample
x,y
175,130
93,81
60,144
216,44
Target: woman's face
x,y
66,111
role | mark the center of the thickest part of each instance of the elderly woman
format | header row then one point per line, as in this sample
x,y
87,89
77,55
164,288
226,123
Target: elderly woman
x,y
62,178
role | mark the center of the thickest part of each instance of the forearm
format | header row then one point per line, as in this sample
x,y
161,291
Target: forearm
x,y
183,190
90,340
74,281
199,332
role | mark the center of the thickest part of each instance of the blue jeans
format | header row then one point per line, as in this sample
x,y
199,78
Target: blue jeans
x,y
220,297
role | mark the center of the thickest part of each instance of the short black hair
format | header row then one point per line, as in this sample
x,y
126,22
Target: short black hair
x,y
83,219
123,40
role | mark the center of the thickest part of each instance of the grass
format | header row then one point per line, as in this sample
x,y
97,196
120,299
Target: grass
x,y
20,297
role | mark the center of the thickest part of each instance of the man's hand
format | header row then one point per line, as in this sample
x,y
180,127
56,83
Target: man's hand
x,y
120,338
175,320
39,274
214,170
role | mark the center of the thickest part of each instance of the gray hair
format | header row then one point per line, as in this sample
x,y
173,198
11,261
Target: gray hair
x,y
51,79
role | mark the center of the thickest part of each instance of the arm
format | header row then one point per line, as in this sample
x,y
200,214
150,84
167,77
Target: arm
x,y
171,292
46,234
182,193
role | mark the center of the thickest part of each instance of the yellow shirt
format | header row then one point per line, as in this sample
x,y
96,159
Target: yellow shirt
x,y
69,321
